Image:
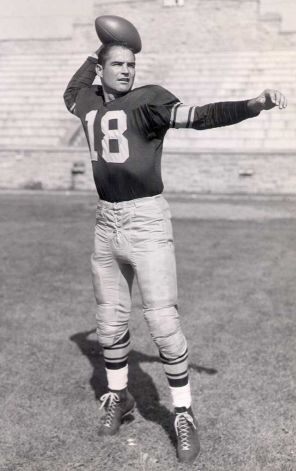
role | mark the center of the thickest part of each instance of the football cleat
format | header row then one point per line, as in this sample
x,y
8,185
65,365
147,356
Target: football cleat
x,y
118,405
188,446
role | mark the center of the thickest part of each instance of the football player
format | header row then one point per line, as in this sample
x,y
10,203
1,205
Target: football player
x,y
125,130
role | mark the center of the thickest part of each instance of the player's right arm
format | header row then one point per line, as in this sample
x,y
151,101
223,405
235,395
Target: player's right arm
x,y
210,116
165,111
225,113
84,77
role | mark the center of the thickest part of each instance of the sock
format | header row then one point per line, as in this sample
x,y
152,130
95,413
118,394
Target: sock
x,y
116,365
181,396
176,370
117,379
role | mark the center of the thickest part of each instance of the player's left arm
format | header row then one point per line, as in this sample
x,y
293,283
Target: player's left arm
x,y
225,113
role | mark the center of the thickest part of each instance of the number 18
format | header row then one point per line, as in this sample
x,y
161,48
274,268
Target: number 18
x,y
115,147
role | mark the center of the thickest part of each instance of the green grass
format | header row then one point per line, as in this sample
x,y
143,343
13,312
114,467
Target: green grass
x,y
237,300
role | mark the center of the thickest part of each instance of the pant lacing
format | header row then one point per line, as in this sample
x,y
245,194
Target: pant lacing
x,y
117,228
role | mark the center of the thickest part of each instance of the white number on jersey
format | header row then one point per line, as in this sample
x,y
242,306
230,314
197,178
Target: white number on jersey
x,y
113,124
114,143
90,118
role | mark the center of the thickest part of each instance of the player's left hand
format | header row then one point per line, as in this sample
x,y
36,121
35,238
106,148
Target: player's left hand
x,y
268,99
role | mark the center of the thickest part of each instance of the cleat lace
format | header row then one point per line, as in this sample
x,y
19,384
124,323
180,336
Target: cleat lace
x,y
113,400
182,428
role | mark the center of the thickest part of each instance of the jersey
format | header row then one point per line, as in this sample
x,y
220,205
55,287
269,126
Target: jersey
x,y
125,139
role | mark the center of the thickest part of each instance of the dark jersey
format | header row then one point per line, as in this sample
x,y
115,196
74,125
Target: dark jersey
x,y
125,136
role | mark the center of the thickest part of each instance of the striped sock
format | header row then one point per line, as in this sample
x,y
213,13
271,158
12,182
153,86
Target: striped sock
x,y
116,363
176,370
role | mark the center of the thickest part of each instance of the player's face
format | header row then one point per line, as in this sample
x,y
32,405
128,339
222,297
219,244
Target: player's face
x,y
118,72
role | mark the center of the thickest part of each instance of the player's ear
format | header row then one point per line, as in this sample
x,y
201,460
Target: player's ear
x,y
99,70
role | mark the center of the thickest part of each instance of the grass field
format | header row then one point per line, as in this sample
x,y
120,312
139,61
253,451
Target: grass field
x,y
237,292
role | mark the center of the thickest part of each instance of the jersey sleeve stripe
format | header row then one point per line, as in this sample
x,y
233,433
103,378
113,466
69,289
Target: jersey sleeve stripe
x,y
191,116
184,117
173,115
72,109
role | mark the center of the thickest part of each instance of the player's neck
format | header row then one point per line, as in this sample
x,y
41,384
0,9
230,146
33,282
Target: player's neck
x,y
110,96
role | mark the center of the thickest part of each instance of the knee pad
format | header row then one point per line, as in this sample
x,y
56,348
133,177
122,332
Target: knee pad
x,y
165,329
111,327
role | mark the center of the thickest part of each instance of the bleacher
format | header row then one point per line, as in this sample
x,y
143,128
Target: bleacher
x,y
202,78
32,112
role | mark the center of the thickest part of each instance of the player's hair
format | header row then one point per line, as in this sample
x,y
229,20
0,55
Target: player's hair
x,y
105,49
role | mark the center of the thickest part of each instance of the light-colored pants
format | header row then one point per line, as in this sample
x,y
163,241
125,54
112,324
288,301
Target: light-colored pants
x,y
135,238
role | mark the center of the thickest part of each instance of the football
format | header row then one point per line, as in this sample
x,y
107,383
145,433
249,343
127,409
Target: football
x,y
115,29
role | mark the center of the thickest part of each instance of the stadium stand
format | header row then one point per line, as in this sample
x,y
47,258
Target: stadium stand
x,y
224,76
234,54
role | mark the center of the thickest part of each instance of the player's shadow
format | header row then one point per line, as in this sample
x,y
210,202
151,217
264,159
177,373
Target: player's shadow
x,y
141,384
